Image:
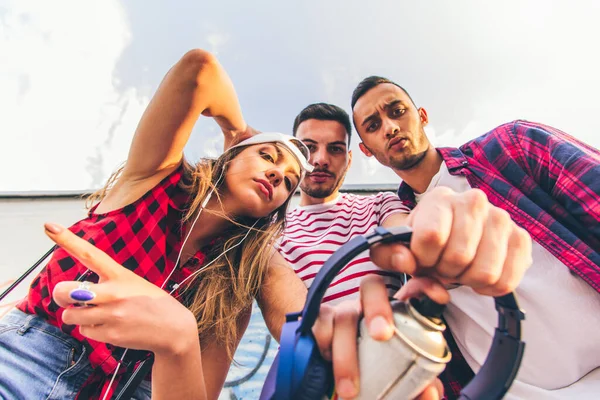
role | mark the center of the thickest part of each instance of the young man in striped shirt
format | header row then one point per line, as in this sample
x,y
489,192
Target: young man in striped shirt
x,y
326,218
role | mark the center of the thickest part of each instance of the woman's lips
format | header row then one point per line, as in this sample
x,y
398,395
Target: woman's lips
x,y
266,188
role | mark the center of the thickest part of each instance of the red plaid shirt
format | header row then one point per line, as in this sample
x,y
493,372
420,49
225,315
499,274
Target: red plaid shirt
x,y
145,237
549,182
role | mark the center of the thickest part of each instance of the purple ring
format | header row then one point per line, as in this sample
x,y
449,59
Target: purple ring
x,y
82,293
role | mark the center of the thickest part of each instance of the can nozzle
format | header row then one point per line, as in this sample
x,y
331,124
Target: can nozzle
x,y
427,307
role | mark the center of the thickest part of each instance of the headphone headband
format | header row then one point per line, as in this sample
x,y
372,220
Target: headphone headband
x,y
337,261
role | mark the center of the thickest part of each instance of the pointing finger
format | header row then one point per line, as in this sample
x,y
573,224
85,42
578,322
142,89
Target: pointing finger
x,y
90,256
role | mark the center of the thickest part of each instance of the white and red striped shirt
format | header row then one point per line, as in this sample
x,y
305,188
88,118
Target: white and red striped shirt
x,y
314,232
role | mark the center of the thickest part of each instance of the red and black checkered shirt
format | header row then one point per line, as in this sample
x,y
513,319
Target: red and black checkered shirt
x,y
145,237
549,183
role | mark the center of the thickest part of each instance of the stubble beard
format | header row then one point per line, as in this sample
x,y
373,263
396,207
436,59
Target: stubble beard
x,y
408,162
320,192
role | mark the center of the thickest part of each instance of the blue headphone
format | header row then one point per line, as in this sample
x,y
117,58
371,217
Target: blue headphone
x,y
300,373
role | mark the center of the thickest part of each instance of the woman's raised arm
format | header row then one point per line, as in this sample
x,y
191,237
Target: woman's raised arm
x,y
197,84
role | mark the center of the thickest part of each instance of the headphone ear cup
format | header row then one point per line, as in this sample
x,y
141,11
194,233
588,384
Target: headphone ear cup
x,y
317,380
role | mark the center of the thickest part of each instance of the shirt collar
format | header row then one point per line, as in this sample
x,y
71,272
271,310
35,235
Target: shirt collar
x,y
455,160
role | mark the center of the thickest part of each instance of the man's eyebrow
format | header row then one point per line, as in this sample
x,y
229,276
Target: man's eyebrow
x,y
369,118
386,106
392,103
334,143
309,141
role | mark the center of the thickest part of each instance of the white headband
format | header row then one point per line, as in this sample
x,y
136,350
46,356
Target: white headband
x,y
295,146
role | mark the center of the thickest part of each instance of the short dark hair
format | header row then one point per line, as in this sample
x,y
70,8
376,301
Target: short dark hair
x,y
324,112
369,83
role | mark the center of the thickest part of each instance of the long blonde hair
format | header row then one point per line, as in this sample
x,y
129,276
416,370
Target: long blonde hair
x,y
223,290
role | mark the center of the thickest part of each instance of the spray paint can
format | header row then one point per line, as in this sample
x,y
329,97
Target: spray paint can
x,y
400,368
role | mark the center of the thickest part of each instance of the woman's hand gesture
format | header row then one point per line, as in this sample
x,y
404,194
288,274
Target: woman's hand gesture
x,y
122,309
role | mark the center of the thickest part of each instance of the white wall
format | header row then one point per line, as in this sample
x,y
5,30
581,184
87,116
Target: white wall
x,y
22,238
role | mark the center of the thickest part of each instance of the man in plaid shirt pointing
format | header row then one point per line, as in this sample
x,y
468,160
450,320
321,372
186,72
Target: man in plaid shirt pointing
x,y
549,184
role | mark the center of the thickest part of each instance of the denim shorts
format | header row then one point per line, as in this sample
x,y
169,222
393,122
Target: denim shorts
x,y
39,361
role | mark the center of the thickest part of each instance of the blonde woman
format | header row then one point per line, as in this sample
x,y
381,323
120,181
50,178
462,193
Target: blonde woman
x,y
202,233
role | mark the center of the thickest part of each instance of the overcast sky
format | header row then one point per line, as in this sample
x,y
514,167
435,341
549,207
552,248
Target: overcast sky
x,y
76,75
